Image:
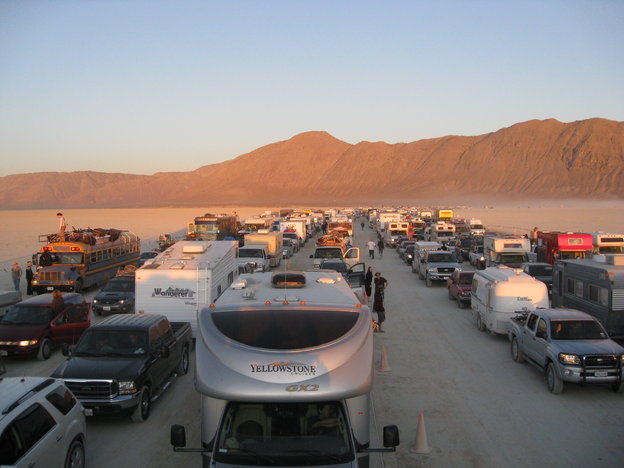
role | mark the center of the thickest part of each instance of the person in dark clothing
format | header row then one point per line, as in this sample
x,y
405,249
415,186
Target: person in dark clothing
x,y
368,283
29,277
380,246
58,304
324,227
362,224
326,422
381,284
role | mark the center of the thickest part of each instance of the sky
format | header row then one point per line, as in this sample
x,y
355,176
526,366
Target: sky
x,y
145,86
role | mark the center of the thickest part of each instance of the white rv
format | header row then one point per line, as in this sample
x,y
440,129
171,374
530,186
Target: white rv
x,y
185,277
476,227
440,232
298,226
499,293
278,386
509,251
607,243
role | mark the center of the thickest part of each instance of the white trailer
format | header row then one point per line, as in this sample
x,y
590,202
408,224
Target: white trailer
x,y
499,293
284,369
184,278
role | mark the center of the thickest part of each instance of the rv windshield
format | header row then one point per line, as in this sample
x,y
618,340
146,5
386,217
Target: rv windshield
x,y
251,253
577,330
572,254
284,434
67,258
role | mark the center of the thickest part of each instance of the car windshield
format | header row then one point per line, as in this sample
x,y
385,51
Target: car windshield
x,y
442,258
513,259
540,270
340,267
328,253
148,255
250,253
119,286
28,315
577,330
284,434
112,342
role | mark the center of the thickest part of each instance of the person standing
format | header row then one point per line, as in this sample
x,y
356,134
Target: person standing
x,y
62,226
324,227
29,277
534,236
16,275
380,246
362,224
371,248
368,283
58,303
378,305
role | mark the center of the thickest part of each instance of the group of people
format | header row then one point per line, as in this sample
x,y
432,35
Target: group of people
x,y
381,284
371,248
16,276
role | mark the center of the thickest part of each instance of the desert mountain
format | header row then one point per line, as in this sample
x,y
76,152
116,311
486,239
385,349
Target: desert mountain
x,y
528,160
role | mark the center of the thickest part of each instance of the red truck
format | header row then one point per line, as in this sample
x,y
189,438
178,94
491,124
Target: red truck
x,y
552,246
30,327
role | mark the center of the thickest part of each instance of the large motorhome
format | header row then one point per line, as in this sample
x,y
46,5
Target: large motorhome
x,y
593,287
509,251
395,230
554,246
185,277
297,226
212,227
607,243
278,386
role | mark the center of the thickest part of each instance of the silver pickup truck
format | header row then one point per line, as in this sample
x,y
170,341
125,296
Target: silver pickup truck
x,y
568,346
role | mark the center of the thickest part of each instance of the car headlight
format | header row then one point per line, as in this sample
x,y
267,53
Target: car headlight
x,y
409,256
482,259
95,301
432,270
126,388
570,359
123,301
27,342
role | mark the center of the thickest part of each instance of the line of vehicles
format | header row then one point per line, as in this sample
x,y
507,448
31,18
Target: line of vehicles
x,y
559,301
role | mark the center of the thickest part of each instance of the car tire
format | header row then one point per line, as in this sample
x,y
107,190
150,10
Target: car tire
x,y
142,411
183,365
618,387
516,354
75,455
553,381
45,350
480,324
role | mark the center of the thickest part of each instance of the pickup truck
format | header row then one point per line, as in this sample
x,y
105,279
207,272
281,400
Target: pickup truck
x,y
459,287
256,255
437,265
568,346
125,362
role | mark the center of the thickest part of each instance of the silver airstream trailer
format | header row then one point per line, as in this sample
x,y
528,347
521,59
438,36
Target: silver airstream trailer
x,y
284,367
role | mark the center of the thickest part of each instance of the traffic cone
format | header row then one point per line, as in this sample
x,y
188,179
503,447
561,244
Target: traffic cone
x,y
383,365
421,445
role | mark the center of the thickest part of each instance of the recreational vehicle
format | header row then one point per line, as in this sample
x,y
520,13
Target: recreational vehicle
x,y
498,293
509,251
554,246
278,386
596,288
185,277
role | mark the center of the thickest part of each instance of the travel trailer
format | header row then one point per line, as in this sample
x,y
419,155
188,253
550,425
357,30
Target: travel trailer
x,y
185,277
278,386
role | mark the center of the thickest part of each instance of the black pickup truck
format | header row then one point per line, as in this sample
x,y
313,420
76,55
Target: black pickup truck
x,y
125,362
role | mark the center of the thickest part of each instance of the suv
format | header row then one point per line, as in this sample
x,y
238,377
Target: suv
x,y
41,422
116,297
31,327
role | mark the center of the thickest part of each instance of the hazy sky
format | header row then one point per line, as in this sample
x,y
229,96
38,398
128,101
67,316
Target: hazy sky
x,y
142,86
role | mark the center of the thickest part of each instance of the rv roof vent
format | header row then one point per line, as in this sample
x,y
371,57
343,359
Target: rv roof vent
x,y
177,266
288,279
194,248
263,231
239,284
615,260
187,257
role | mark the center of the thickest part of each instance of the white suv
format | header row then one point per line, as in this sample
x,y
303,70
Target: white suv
x,y
40,421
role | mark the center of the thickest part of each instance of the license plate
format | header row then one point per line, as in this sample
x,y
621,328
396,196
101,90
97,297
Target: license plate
x,y
49,288
106,307
601,373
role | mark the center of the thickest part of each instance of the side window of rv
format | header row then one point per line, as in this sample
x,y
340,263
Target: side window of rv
x,y
578,288
531,322
474,287
599,295
231,277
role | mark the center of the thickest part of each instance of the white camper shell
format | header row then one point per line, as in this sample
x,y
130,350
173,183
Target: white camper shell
x,y
181,280
476,227
440,232
284,370
499,293
607,243
509,251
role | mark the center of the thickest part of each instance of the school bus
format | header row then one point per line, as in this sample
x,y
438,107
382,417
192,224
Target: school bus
x,y
85,258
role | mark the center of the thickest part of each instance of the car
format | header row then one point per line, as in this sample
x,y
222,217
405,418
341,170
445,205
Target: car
x,y
116,297
32,328
408,255
145,256
288,248
459,287
334,264
42,424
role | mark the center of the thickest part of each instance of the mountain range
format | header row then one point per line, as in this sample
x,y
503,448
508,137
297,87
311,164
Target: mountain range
x,y
537,159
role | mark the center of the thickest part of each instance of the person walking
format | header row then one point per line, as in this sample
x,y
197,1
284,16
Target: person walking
x,y
62,226
16,275
368,283
371,248
29,277
378,304
362,224
380,246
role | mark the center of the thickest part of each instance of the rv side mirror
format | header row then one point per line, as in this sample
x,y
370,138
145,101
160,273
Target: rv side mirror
x,y
390,436
178,436
66,349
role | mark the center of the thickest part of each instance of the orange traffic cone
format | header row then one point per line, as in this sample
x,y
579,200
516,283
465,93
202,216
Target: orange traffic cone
x,y
383,365
421,445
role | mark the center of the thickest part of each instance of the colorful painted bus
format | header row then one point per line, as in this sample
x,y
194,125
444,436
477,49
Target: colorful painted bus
x,y
85,258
